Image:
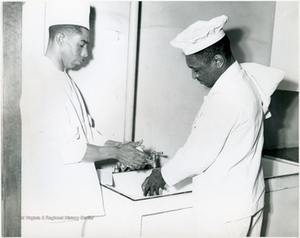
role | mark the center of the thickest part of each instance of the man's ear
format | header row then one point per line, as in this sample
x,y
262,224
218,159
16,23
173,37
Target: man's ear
x,y
219,61
60,38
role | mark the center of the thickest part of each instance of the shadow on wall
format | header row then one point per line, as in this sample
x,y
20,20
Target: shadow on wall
x,y
281,130
235,36
92,40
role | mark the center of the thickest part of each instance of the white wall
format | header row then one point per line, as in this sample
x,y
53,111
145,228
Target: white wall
x,y
103,80
168,99
285,46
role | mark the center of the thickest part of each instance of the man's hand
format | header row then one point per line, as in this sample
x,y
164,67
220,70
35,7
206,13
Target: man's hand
x,y
153,183
130,155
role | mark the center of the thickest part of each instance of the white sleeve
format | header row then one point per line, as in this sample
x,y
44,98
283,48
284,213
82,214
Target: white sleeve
x,y
98,138
217,118
74,148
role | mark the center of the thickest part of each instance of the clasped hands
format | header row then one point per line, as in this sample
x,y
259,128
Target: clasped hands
x,y
131,156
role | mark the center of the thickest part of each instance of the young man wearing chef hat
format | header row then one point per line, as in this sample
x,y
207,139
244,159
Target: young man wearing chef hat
x,y
223,151
61,194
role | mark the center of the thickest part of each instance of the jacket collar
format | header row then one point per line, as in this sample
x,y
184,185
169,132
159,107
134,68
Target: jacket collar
x,y
225,78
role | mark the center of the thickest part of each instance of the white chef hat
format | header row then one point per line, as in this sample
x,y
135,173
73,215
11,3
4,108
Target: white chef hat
x,y
200,35
68,13
65,13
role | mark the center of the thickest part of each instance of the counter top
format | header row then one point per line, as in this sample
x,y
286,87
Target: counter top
x,y
152,216
291,154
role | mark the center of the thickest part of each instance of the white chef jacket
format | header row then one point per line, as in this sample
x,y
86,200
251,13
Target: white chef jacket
x,y
223,151
56,129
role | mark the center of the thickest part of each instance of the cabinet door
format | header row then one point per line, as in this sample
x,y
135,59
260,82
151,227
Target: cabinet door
x,y
281,213
179,223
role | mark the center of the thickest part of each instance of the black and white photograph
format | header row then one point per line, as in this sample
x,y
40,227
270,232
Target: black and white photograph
x,y
127,119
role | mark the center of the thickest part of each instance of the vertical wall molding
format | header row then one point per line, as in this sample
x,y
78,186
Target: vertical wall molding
x,y
131,72
11,119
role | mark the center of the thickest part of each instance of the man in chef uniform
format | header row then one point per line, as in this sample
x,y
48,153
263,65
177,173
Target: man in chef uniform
x,y
223,151
61,194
